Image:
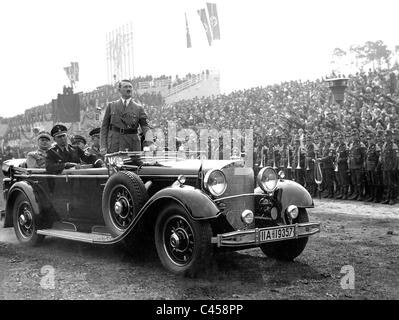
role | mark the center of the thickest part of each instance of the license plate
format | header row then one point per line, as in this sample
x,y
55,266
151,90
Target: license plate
x,y
276,234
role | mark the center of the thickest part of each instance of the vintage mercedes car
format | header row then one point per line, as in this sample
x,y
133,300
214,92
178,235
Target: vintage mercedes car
x,y
188,208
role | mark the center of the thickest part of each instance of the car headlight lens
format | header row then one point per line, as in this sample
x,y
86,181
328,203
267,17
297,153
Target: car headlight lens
x,y
215,182
267,179
293,211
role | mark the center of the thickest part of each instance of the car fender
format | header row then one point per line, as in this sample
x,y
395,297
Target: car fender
x,y
196,203
289,192
31,193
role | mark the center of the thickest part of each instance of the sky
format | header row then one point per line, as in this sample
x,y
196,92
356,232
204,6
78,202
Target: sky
x,y
262,41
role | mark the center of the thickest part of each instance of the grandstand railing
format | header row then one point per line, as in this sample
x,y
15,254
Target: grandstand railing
x,y
185,85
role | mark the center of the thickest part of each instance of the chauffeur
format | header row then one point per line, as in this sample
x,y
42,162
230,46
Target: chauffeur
x,y
64,156
37,159
94,149
121,121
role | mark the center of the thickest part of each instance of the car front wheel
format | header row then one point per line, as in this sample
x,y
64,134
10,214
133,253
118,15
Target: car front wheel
x,y
183,244
287,250
24,221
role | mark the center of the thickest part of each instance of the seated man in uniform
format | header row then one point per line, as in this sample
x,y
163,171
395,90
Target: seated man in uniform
x,y
94,149
37,159
78,141
64,156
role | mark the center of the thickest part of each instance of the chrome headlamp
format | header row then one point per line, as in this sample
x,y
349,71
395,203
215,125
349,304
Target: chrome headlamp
x,y
267,179
215,182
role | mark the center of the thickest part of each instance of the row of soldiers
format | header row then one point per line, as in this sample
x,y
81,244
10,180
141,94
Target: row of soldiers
x,y
349,166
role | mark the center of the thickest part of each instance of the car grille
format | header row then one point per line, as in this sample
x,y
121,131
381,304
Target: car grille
x,y
239,181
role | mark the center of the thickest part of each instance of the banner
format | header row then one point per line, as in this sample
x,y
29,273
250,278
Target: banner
x,y
204,20
66,108
73,72
213,20
188,38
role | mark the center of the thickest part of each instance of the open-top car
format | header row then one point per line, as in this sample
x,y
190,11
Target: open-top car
x,y
188,207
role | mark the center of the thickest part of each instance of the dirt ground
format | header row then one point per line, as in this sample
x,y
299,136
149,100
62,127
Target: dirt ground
x,y
355,235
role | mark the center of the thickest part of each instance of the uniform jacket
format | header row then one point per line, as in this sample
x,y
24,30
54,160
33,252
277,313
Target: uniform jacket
x,y
36,159
357,151
389,158
130,117
56,158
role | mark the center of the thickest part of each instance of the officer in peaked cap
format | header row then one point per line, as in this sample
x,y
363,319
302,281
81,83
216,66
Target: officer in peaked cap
x,y
78,141
94,149
64,156
37,158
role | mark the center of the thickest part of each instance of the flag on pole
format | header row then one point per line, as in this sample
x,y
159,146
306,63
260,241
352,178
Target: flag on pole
x,y
72,72
213,20
204,20
75,70
188,38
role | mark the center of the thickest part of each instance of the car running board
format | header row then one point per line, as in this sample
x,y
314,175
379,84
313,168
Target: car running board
x,y
77,236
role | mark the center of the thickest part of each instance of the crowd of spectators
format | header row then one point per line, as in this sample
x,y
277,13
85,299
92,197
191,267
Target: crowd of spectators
x,y
371,103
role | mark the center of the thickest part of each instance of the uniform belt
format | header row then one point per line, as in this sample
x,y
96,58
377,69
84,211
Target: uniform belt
x,y
123,131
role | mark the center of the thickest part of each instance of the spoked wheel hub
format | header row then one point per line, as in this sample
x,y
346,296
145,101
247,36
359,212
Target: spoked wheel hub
x,y
178,240
121,206
25,220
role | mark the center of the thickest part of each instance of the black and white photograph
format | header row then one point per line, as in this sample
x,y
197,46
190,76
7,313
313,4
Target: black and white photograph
x,y
199,155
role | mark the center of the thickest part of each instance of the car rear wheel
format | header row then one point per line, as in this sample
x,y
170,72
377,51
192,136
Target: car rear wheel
x,y
183,244
287,250
123,197
24,221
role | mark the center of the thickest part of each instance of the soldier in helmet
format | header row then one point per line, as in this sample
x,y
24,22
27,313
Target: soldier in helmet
x,y
372,156
37,158
357,151
342,166
389,162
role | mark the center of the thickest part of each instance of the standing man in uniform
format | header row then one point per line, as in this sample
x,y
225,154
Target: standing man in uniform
x,y
37,159
328,155
119,128
389,163
309,166
342,163
357,152
372,156
286,157
299,161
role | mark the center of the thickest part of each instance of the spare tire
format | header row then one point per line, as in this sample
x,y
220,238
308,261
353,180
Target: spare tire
x,y
123,197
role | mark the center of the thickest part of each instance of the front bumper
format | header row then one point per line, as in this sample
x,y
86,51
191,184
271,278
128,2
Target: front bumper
x,y
255,237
